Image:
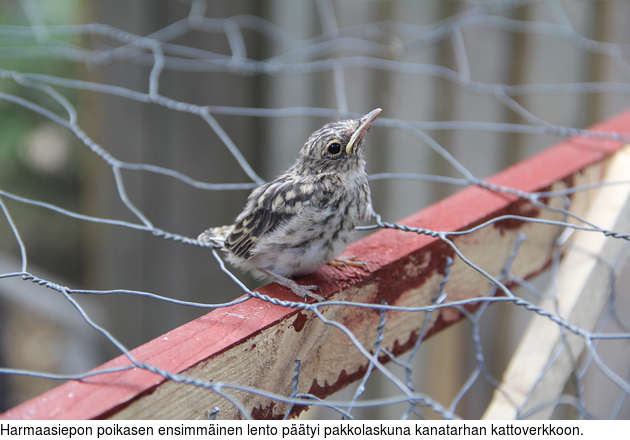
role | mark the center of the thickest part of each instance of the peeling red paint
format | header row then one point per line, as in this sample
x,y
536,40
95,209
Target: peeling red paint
x,y
266,413
393,280
342,381
522,208
299,321
569,181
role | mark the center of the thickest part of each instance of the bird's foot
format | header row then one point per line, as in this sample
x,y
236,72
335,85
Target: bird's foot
x,y
349,261
304,292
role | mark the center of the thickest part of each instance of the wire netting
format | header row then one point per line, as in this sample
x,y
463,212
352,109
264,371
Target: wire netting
x,y
130,127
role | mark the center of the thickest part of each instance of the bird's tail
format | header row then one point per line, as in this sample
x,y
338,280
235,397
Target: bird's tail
x,y
215,235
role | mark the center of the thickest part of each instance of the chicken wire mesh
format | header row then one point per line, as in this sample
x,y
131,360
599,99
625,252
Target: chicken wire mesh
x,y
148,126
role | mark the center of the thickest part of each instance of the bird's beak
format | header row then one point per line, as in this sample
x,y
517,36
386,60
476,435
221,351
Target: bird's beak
x,y
366,123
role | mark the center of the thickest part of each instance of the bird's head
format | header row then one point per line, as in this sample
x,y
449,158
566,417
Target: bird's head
x,y
337,146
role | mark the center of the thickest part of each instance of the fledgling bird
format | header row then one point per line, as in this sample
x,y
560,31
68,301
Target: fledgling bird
x,y
304,218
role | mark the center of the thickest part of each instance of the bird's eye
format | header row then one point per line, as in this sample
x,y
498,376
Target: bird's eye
x,y
334,148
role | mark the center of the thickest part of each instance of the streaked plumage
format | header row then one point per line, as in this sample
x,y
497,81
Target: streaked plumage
x,y
305,217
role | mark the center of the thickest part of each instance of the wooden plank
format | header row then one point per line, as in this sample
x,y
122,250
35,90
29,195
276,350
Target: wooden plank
x,y
255,343
536,374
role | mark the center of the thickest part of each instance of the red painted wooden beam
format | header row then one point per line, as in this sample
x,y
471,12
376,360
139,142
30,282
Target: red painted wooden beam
x,y
255,343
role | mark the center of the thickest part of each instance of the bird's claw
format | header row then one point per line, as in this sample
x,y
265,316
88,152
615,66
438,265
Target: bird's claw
x,y
300,290
306,292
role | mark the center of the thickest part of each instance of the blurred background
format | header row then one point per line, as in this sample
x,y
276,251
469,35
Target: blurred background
x,y
438,65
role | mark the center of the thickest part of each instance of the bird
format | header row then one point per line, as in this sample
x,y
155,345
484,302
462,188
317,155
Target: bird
x,y
305,217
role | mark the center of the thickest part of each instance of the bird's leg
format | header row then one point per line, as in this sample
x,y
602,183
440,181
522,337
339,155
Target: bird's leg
x,y
298,289
349,261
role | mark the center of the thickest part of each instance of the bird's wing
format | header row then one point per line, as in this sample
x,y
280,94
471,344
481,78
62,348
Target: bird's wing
x,y
274,203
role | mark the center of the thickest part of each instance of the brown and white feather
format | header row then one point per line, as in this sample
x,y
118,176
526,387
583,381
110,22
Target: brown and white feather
x,y
305,217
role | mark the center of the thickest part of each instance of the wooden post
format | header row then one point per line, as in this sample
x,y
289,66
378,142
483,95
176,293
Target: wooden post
x,y
537,374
